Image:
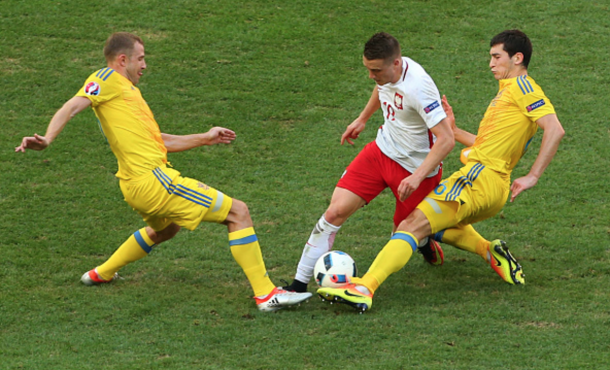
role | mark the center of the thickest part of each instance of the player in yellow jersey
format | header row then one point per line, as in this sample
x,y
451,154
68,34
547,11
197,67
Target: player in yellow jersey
x,y
480,189
165,200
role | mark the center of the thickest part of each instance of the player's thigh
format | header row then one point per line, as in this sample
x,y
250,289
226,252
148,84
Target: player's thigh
x,y
168,197
404,208
441,214
192,202
343,204
363,176
465,198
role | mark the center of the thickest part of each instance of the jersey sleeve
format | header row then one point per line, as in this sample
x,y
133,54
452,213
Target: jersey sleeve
x,y
99,87
531,100
429,102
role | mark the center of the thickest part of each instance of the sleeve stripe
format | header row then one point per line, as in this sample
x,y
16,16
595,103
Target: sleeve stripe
x,y
525,85
108,75
101,72
520,86
104,73
528,83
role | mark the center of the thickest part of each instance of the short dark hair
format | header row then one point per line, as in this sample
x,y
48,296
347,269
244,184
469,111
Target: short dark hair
x,y
382,46
514,42
120,43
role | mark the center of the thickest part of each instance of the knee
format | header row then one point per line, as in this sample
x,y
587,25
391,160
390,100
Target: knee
x,y
163,235
239,214
240,209
416,223
335,215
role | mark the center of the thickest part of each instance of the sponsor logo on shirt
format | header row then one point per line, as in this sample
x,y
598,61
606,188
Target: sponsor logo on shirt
x,y
92,88
431,107
536,105
398,101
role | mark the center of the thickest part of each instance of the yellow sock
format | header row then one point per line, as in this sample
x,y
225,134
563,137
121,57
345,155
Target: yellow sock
x,y
466,238
392,258
135,247
247,252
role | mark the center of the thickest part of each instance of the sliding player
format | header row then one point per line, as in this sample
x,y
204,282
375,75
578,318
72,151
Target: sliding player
x,y
480,189
166,200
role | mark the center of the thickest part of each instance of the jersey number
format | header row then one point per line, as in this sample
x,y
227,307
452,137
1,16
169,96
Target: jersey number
x,y
390,112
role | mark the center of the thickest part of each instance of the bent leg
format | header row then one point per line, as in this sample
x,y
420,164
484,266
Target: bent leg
x,y
397,252
342,205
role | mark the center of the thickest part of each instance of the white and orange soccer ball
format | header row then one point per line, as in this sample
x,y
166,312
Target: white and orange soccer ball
x,y
334,269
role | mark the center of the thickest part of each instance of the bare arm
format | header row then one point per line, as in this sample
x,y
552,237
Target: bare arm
x,y
461,136
179,143
70,109
357,126
553,133
443,145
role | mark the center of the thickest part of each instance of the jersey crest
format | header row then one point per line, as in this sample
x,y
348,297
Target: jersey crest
x,y
92,88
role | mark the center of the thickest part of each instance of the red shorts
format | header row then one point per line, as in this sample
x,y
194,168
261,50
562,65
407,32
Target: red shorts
x,y
372,171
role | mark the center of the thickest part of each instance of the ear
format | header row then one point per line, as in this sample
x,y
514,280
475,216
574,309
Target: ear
x,y
122,60
517,58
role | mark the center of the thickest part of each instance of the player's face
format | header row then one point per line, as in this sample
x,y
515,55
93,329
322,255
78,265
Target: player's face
x,y
383,71
135,63
502,65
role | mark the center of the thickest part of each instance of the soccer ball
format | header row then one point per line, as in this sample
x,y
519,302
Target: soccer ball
x,y
334,269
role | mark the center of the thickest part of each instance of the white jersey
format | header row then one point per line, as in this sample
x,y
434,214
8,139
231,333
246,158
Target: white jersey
x,y
411,107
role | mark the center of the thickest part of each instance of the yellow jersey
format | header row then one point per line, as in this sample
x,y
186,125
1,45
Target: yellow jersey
x,y
509,124
127,123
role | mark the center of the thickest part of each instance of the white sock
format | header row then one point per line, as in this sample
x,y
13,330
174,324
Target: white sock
x,y
423,242
362,289
320,241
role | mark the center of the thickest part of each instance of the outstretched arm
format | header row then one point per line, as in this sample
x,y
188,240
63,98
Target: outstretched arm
x,y
179,143
70,109
355,128
553,133
461,136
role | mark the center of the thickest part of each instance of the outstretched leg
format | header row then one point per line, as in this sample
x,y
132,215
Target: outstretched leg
x,y
137,246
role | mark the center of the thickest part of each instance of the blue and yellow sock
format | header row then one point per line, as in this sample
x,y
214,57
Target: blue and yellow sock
x,y
135,247
392,258
247,252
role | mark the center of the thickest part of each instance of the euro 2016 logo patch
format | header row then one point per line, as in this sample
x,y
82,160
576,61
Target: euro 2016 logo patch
x,y
536,105
431,107
398,101
92,88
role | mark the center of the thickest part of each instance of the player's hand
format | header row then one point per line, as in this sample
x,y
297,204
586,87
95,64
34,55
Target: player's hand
x,y
353,131
407,186
35,142
449,112
220,135
521,184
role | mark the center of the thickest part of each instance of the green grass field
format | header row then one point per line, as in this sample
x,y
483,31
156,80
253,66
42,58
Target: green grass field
x,y
288,78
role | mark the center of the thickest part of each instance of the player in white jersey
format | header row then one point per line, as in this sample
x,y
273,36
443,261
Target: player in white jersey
x,y
406,156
